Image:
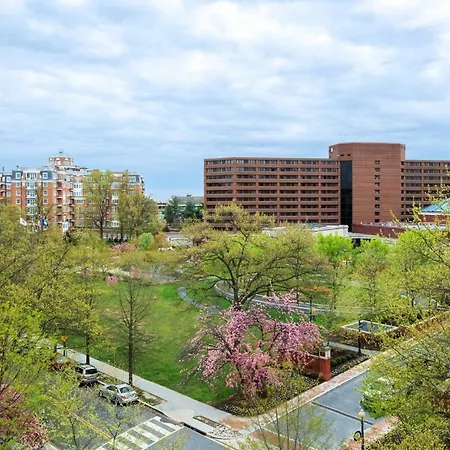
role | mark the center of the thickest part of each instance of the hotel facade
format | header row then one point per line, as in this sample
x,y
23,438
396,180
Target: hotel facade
x,y
357,183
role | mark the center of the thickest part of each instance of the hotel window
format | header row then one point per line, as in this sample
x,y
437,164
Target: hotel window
x,y
18,193
44,175
377,162
18,175
44,184
45,201
19,184
377,177
45,192
18,201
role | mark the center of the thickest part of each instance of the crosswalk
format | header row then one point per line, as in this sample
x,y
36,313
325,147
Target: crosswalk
x,y
142,436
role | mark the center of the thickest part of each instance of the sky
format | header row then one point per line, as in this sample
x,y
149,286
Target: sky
x,y
156,86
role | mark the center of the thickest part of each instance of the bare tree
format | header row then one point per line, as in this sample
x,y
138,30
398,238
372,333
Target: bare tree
x,y
134,311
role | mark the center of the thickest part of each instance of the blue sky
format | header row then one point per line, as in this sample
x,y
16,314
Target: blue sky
x,y
156,86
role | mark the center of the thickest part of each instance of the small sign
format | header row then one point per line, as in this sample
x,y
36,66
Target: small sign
x,y
357,436
64,338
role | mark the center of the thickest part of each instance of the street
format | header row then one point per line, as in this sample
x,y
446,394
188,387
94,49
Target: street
x,y
338,407
102,425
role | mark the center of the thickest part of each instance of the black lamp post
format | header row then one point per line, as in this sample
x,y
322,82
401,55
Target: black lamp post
x,y
361,417
359,338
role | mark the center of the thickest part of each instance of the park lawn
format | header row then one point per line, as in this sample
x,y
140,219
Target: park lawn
x,y
203,292
171,323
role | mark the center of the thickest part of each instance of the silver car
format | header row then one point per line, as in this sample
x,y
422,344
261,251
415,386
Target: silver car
x,y
86,373
121,394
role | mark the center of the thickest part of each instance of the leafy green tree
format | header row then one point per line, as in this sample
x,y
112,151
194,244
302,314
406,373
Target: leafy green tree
x,y
339,253
145,240
137,214
97,189
371,264
302,262
38,279
411,383
190,210
173,212
243,261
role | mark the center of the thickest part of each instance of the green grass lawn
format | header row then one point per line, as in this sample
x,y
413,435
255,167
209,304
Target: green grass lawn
x,y
203,292
172,323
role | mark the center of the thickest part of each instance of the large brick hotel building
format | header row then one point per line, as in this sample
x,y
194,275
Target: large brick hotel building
x,y
357,183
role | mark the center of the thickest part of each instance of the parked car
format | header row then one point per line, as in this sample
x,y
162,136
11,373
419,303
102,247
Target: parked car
x,y
86,373
60,362
121,394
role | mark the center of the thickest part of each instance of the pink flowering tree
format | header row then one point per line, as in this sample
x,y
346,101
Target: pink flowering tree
x,y
17,423
251,347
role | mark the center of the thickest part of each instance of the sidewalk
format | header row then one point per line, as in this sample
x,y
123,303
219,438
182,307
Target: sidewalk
x,y
353,349
176,406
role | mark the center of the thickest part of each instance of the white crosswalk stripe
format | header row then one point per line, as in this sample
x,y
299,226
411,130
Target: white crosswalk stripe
x,y
142,436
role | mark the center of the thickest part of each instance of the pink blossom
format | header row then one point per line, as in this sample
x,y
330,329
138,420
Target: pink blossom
x,y
253,347
111,280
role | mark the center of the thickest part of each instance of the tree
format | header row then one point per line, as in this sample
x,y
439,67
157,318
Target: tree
x,y
91,257
302,262
38,280
287,428
98,189
254,347
243,262
137,214
339,253
145,240
190,210
172,212
414,386
371,264
134,311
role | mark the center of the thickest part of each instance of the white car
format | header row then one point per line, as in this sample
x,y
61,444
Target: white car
x,y
121,394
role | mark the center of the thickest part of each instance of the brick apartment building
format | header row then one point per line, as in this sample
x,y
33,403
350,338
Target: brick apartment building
x,y
358,182
54,193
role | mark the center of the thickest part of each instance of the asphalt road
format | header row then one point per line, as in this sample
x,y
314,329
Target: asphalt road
x,y
101,425
339,409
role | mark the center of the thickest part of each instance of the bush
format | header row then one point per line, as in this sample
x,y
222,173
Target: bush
x,y
145,240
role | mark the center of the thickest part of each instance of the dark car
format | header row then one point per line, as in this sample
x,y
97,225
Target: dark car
x,y
86,373
60,362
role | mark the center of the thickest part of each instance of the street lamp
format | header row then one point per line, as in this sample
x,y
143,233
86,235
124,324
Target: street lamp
x,y
361,417
359,338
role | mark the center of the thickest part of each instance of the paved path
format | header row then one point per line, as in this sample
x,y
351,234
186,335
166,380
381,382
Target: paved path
x,y
175,405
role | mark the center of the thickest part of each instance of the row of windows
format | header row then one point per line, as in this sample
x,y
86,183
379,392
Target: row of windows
x,y
270,161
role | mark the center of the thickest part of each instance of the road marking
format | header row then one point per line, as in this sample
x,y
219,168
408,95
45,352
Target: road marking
x,y
129,437
143,435
92,427
147,434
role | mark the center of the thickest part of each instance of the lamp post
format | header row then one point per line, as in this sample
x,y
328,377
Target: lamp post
x,y
361,417
359,338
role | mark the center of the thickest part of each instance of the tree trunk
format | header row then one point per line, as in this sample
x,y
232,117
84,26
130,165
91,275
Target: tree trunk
x,y
101,230
88,349
130,357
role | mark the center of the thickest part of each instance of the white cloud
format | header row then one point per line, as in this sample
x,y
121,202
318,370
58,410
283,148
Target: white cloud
x,y
12,6
188,79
